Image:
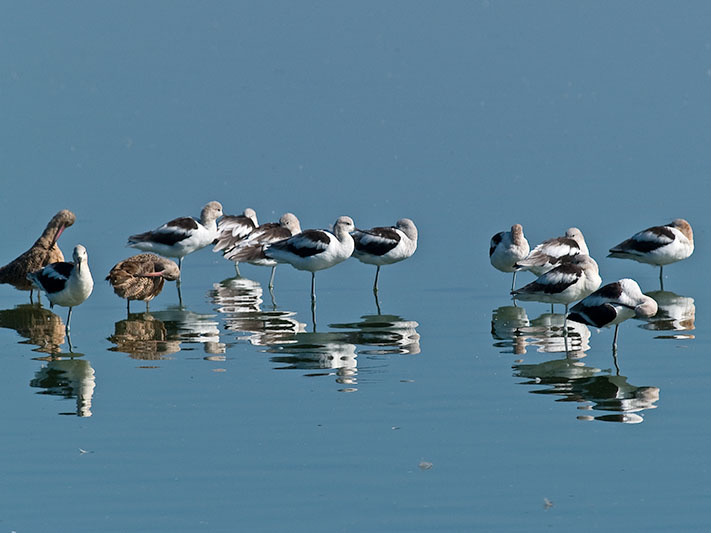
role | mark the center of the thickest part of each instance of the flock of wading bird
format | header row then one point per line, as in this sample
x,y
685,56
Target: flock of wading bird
x,y
240,238
566,273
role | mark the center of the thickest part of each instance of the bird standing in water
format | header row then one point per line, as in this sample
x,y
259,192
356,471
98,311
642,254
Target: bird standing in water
x,y
141,277
43,252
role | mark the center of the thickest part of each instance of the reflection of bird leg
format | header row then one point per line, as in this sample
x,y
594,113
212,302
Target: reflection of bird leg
x,y
377,303
565,343
69,341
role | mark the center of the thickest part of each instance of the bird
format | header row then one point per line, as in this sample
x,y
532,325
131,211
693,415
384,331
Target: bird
x,y
613,304
66,284
385,245
550,253
141,277
251,248
43,252
181,236
508,248
315,249
658,245
233,229
565,284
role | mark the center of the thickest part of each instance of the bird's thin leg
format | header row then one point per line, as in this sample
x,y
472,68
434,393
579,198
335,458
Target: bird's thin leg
x,y
513,283
313,314
313,286
614,338
552,310
271,278
180,294
69,320
375,285
239,274
565,321
31,296
661,277
377,303
180,267
147,309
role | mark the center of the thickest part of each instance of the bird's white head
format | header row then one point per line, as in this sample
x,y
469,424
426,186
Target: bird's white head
x,y
408,227
251,214
343,225
683,226
80,256
211,212
290,222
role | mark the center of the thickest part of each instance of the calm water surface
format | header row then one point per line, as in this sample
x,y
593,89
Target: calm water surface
x,y
441,406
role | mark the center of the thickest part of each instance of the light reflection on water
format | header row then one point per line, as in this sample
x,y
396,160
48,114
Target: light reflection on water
x,y
68,377
676,313
569,377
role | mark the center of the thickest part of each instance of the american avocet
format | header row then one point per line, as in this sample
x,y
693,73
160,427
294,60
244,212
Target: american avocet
x,y
232,229
658,245
181,236
315,249
385,245
66,284
251,249
565,284
613,304
141,277
43,252
508,248
550,253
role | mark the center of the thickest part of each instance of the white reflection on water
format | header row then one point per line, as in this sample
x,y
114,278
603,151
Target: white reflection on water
x,y
676,313
569,377
69,378
238,300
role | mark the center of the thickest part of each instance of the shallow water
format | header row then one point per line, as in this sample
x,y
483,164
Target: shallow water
x,y
439,406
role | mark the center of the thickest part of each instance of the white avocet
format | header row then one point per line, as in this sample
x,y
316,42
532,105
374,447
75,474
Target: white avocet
x,y
550,253
233,229
565,284
385,245
66,284
658,245
508,248
315,249
181,236
613,304
251,249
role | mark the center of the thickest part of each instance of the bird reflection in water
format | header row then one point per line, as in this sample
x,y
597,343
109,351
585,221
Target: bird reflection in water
x,y
155,335
511,327
143,337
676,313
39,326
70,378
239,301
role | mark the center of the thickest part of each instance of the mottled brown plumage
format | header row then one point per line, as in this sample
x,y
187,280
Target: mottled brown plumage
x,y
43,252
142,276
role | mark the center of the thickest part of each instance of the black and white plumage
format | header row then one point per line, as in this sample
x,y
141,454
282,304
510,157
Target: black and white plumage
x,y
612,304
565,284
385,245
507,248
181,236
658,245
552,252
315,249
66,284
233,229
251,249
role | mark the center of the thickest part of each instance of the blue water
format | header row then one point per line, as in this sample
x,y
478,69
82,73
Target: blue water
x,y
440,407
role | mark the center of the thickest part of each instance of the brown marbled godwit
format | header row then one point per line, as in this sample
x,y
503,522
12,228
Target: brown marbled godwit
x,y
43,252
141,277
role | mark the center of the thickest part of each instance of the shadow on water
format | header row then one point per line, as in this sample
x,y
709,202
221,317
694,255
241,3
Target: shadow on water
x,y
69,378
293,348
569,378
676,313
